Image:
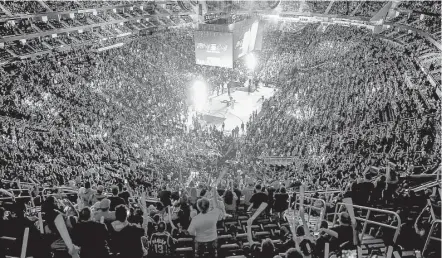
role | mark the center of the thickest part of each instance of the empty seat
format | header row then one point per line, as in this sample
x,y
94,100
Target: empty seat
x,y
185,242
225,239
270,226
230,223
262,234
253,227
222,237
230,246
277,242
184,252
248,244
243,218
241,236
263,221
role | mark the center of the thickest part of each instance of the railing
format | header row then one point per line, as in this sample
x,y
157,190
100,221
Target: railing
x,y
426,186
11,198
67,190
430,237
311,207
151,200
367,221
11,191
25,184
332,191
24,245
330,194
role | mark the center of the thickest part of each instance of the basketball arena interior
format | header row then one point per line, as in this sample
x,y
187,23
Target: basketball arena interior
x,y
220,129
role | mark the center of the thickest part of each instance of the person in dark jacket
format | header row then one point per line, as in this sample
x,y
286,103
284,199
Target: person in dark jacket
x,y
91,236
281,201
124,194
115,199
126,238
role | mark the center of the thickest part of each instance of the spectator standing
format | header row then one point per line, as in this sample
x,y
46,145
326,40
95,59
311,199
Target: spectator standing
x,y
281,201
103,211
99,195
362,191
126,238
258,198
378,190
123,193
87,195
392,183
90,236
165,196
230,199
161,242
203,227
238,194
184,213
248,193
342,234
115,199
56,228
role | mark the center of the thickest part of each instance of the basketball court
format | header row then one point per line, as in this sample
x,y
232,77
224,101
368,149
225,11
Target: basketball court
x,y
218,110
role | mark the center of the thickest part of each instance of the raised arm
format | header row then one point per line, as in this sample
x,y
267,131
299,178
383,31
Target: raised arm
x,y
5,192
169,211
304,224
61,227
142,203
249,234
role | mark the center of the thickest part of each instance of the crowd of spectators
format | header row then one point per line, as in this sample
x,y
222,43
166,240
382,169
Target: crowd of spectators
x,y
343,7
99,223
318,6
369,127
433,7
353,112
33,7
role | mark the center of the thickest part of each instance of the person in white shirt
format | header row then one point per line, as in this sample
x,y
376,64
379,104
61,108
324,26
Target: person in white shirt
x,y
203,226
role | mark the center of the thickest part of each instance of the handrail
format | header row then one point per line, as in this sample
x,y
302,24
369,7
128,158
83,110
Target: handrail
x,y
24,184
311,206
366,219
68,189
433,216
322,191
19,190
13,198
135,198
430,237
426,185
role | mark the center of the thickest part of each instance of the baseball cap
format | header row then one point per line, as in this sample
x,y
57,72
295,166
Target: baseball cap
x,y
81,190
105,204
100,188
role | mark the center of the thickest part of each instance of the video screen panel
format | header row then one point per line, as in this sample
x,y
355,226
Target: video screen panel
x,y
253,36
244,38
259,35
214,48
241,38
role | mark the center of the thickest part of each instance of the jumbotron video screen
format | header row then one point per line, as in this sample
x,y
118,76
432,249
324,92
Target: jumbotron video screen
x,y
214,48
221,49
